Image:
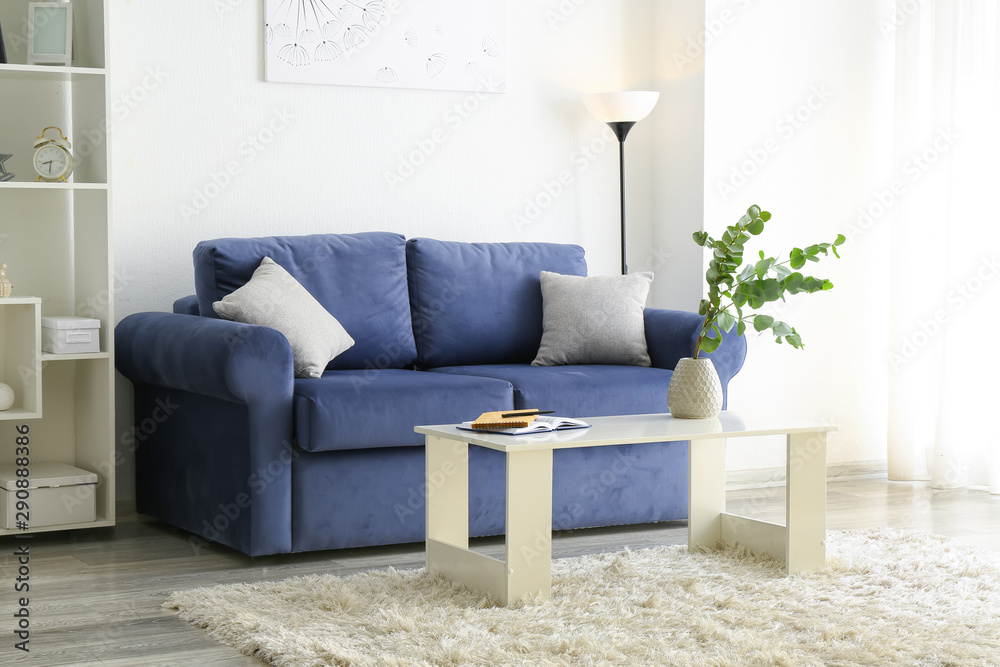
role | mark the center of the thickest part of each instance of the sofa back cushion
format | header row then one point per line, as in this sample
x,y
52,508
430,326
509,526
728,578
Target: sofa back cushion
x,y
359,278
481,303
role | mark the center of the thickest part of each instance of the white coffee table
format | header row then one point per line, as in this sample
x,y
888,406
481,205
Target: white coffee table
x,y
526,569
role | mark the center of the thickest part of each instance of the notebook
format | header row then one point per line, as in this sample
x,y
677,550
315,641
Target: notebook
x,y
541,424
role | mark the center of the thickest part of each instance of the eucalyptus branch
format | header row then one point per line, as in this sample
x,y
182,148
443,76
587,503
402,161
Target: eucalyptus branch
x,y
755,289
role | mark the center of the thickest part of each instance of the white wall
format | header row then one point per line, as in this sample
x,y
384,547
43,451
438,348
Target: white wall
x,y
806,89
191,98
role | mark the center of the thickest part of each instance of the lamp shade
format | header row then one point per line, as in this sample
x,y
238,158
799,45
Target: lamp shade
x,y
624,106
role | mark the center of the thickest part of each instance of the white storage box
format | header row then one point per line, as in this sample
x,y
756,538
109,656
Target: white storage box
x,y
58,493
70,335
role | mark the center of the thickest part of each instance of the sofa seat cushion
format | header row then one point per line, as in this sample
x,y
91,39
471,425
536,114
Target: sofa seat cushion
x,y
481,303
579,391
359,278
379,408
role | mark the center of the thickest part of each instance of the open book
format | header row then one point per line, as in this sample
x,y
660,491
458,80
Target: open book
x,y
541,424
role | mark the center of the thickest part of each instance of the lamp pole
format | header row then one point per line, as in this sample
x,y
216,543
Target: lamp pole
x,y
621,128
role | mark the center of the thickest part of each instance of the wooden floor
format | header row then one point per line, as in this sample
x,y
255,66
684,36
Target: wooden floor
x,y
96,595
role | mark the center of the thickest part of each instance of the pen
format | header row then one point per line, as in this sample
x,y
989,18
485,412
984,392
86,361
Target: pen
x,y
526,413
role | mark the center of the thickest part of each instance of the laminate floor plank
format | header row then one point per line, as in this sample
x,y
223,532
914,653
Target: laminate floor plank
x,y
96,596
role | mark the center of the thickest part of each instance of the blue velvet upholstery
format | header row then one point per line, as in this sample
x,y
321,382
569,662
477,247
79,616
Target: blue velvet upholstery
x,y
359,278
386,492
579,391
481,303
232,448
232,385
187,305
379,408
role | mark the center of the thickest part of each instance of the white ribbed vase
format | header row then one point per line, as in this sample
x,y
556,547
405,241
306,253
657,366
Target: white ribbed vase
x,y
695,391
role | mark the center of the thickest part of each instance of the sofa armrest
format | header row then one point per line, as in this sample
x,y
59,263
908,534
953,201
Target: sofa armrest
x,y
671,335
187,305
228,452
202,355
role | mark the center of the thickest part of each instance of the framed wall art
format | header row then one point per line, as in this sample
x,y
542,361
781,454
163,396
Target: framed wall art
x,y
426,44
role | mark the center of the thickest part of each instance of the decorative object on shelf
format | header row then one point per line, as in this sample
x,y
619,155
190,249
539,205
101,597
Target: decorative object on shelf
x,y
5,287
4,174
374,43
6,396
60,494
621,111
52,161
3,48
50,34
750,285
70,335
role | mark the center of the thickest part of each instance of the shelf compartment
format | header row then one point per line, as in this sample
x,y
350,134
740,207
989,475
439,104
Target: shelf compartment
x,y
100,523
41,185
50,73
89,22
46,357
20,360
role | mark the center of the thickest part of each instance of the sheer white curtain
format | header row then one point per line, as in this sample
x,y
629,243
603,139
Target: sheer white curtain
x,y
945,298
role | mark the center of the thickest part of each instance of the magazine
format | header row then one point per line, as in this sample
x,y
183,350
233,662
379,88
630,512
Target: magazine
x,y
541,424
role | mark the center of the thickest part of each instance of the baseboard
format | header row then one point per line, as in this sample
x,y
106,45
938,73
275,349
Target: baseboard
x,y
835,472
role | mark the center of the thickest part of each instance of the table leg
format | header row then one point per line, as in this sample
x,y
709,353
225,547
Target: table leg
x,y
447,492
529,524
805,503
706,491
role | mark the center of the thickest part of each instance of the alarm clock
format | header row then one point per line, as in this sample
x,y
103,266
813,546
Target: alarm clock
x,y
52,160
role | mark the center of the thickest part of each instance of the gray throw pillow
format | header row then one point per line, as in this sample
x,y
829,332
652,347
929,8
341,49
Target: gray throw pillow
x,y
273,298
595,320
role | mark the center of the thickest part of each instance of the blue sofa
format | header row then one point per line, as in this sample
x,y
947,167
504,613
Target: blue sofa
x,y
251,457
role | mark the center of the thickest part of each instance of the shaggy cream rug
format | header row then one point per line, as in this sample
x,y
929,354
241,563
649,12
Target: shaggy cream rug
x,y
887,597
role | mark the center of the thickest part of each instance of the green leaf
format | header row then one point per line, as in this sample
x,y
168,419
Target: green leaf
x,y
746,273
762,322
725,320
762,267
797,261
712,275
754,211
811,250
756,227
741,328
795,341
703,307
836,254
701,238
782,270
772,289
765,216
744,220
841,239
782,329
793,283
709,345
739,298
811,258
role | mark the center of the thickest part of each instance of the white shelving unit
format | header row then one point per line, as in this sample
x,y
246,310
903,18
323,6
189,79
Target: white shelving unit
x,y
56,241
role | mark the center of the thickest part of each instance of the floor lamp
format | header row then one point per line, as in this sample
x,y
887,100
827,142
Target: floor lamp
x,y
621,111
